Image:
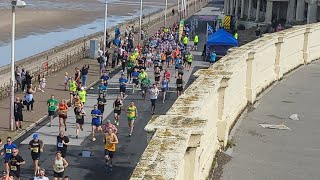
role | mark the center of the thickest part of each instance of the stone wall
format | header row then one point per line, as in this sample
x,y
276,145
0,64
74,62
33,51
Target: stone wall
x,y
182,143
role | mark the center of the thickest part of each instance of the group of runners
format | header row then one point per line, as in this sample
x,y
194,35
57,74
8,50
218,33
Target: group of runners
x,y
161,52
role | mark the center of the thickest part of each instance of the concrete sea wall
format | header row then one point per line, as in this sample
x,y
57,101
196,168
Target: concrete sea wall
x,y
182,144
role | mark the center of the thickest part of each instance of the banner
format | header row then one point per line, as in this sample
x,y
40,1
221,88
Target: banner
x,y
181,26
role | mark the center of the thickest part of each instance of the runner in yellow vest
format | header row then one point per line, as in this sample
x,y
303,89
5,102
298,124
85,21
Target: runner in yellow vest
x,y
82,95
195,41
185,40
72,88
110,147
189,60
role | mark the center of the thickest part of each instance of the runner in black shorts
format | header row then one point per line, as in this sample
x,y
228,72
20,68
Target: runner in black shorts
x,y
101,103
36,147
117,109
14,164
80,113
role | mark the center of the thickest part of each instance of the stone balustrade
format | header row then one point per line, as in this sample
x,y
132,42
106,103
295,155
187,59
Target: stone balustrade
x,y
182,144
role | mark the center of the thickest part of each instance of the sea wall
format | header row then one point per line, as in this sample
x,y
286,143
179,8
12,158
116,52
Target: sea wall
x,y
58,57
182,143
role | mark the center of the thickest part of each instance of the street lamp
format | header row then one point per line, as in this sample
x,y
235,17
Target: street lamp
x,y
165,14
140,22
105,27
19,4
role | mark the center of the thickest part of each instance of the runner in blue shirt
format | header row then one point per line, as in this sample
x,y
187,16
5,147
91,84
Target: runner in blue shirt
x,y
105,77
96,122
123,85
135,77
102,88
178,63
8,147
164,88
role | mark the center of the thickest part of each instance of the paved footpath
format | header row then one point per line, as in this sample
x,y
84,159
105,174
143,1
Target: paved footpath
x,y
268,154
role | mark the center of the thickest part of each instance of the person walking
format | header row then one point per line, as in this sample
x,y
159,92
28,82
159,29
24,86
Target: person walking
x,y
23,79
15,161
52,106
29,100
28,78
154,92
65,81
36,147
59,166
96,121
110,140
7,151
63,114
62,144
132,114
80,113
18,116
195,42
84,75
117,104
17,75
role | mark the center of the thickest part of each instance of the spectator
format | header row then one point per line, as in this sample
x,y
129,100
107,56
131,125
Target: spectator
x,y
84,74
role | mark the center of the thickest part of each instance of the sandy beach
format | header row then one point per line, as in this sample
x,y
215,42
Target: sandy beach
x,y
56,14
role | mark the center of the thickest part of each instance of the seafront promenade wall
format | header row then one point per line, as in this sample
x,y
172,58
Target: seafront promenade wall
x,y
182,143
58,57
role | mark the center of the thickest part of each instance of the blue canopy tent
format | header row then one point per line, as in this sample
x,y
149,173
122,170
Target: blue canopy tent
x,y
220,42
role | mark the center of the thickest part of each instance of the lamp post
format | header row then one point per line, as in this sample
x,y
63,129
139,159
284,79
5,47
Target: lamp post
x,y
19,4
165,14
140,22
105,27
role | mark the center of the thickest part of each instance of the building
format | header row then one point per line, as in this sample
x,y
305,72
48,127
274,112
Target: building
x,y
286,10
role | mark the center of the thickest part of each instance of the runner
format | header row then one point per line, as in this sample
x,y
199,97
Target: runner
x,y
105,78
52,106
36,147
117,109
41,176
18,116
154,92
82,95
189,61
109,125
123,85
135,78
179,83
178,64
110,147
132,113
101,103
164,88
72,88
102,88
8,148
5,176
59,166
157,75
15,161
62,144
96,122
80,113
145,83
76,103
63,110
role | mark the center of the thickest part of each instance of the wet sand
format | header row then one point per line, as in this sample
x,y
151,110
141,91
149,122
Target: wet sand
x,y
56,14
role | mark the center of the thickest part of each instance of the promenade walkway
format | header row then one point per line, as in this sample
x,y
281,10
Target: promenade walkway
x,y
268,154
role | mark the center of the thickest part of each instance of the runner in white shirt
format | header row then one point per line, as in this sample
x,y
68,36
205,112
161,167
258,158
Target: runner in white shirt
x,y
154,92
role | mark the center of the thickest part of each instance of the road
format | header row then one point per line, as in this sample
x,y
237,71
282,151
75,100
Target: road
x,y
267,154
129,149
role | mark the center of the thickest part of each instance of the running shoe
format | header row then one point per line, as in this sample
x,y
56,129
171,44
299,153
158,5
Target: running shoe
x,y
94,139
